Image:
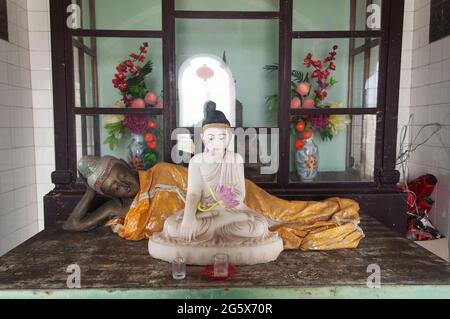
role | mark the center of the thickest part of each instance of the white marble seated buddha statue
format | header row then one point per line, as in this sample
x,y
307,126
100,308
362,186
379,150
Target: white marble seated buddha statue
x,y
215,219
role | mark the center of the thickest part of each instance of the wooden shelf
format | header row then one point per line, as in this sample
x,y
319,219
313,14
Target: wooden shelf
x,y
347,176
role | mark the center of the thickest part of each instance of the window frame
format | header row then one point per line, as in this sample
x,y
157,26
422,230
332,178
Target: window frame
x,y
4,34
390,34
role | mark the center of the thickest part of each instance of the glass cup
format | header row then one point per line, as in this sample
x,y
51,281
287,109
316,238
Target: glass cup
x,y
179,268
221,265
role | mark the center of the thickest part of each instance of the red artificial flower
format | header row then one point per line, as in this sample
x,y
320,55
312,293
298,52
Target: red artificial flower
x,y
318,93
321,75
307,61
134,56
126,100
323,84
317,64
121,68
317,74
120,75
123,87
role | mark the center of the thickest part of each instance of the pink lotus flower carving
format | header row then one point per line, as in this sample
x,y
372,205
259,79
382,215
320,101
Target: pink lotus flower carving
x,y
227,196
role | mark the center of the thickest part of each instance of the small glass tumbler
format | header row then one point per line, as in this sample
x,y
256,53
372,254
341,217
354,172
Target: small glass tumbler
x,y
179,268
221,265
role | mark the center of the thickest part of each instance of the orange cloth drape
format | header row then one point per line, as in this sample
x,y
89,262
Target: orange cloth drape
x,y
328,224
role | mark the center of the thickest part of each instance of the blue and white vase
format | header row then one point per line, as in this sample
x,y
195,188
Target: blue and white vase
x,y
136,152
307,161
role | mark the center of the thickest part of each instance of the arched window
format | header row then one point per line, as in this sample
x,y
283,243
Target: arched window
x,y
202,78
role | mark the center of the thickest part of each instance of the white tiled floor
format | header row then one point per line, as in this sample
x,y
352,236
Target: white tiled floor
x,y
438,247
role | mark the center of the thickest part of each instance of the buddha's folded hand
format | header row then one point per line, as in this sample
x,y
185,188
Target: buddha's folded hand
x,y
188,227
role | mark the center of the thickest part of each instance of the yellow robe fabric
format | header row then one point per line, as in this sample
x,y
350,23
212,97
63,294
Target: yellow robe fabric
x,y
307,225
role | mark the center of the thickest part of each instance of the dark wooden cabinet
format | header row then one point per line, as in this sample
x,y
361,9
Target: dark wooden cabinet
x,y
88,36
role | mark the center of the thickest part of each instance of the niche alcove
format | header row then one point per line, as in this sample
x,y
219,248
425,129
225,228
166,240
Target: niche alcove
x,y
261,44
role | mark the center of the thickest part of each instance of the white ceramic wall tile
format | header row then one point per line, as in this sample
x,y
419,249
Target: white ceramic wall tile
x,y
436,51
445,70
418,4
4,46
41,80
11,7
409,5
42,99
39,41
43,118
38,21
6,203
4,73
428,99
424,34
45,155
445,48
421,17
407,42
406,59
21,18
26,117
40,60
436,73
38,5
43,137
408,22
404,97
405,79
43,173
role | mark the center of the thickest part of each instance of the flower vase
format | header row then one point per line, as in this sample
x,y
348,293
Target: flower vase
x,y
136,152
307,161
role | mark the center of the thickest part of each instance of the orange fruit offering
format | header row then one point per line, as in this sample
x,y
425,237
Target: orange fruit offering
x,y
307,134
152,145
149,137
152,124
300,126
299,144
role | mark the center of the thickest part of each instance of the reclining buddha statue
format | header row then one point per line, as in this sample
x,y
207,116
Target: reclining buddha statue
x,y
210,207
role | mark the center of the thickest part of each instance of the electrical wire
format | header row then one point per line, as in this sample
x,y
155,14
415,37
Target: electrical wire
x,y
406,150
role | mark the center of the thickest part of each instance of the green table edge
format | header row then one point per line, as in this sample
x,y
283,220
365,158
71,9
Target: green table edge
x,y
340,292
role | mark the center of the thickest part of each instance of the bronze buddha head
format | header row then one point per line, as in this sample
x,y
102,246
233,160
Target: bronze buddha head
x,y
109,176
